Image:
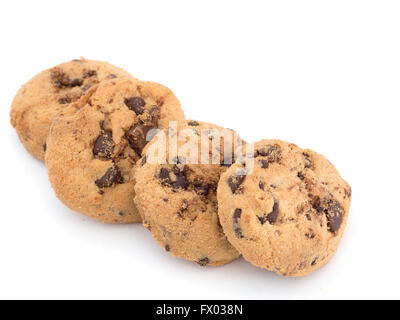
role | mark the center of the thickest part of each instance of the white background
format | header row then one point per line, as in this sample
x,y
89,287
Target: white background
x,y
322,74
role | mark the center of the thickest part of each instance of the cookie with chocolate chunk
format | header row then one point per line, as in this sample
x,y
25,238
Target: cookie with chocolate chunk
x,y
284,208
39,100
94,144
176,194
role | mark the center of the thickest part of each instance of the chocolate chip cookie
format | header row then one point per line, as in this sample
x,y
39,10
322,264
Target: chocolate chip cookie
x,y
39,100
94,143
176,194
288,212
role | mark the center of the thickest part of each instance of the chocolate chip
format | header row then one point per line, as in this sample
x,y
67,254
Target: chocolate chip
x,y
163,175
310,234
203,262
136,104
314,261
300,175
112,176
193,123
272,216
76,82
273,154
264,164
308,217
236,217
201,188
121,213
112,76
167,247
137,137
59,78
44,147
261,185
90,73
155,115
101,192
334,215
347,193
64,100
235,181
104,145
181,181
307,160
165,199
332,210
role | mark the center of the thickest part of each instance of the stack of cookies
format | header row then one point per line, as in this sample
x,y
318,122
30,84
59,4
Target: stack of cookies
x,y
120,150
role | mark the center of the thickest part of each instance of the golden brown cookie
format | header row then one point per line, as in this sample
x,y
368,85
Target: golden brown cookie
x,y
93,145
177,199
39,100
289,212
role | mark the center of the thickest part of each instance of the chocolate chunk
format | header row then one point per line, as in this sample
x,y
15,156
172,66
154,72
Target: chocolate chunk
x,y
261,185
235,182
236,217
193,123
203,262
112,176
64,100
272,216
167,247
201,188
44,147
104,145
136,104
137,137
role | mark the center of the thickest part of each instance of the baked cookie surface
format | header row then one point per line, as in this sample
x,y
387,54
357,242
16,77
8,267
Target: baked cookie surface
x,y
177,199
38,102
94,143
289,213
